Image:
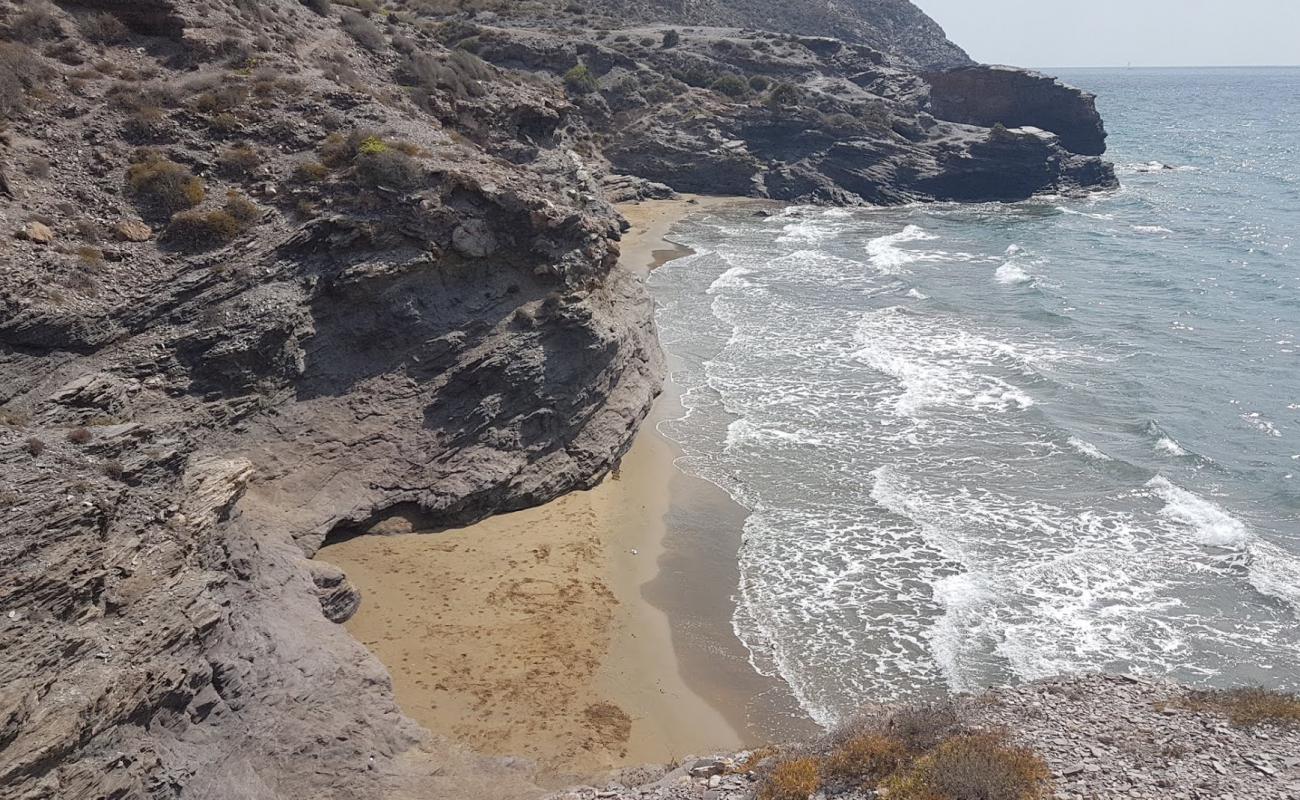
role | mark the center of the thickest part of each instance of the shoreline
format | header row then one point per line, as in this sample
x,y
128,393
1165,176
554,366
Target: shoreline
x,y
585,634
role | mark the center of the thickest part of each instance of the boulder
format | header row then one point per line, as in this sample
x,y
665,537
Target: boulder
x,y
36,232
133,230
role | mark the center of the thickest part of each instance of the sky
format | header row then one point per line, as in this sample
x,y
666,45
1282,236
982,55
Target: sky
x,y
1116,33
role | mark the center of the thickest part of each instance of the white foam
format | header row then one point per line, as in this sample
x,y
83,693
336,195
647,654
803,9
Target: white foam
x,y
1275,572
1012,273
733,278
886,256
916,294
1166,444
809,231
1076,213
1152,229
1211,525
937,363
1087,448
1256,420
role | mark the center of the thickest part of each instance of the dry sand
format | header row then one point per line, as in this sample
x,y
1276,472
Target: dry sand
x,y
530,634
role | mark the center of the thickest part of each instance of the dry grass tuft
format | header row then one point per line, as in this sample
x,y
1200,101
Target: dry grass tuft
x,y
975,766
794,779
1248,707
162,186
863,761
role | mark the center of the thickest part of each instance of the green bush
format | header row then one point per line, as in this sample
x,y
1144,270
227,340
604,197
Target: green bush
x,y
580,80
731,85
162,186
759,83
671,39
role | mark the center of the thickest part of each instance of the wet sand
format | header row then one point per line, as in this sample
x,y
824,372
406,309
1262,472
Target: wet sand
x,y
589,633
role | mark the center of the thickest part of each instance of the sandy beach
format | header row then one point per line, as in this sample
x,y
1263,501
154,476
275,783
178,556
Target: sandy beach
x,y
589,633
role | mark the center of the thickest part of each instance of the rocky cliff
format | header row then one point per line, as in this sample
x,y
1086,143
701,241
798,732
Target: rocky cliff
x,y
277,271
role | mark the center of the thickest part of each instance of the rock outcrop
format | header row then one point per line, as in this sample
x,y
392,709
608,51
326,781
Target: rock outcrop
x,y
995,95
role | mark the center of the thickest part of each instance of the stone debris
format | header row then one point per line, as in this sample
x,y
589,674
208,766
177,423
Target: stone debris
x,y
1103,736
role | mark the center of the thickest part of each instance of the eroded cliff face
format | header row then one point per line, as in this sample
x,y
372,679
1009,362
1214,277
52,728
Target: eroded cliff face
x,y
270,275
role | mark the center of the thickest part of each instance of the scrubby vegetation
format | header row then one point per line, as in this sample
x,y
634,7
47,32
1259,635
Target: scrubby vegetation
x,y
1249,707
918,753
161,186
580,80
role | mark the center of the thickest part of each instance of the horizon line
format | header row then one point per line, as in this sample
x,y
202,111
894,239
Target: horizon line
x,y
1167,66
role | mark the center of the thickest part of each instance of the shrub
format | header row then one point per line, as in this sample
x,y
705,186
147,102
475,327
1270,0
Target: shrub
x,y
671,39
862,761
162,186
321,7
580,80
759,83
1249,707
80,435
244,211
794,779
90,256
310,172
730,85
103,28
363,30
34,446
145,124
389,168
921,727
976,766
201,230
782,96
20,72
34,25
239,161
114,470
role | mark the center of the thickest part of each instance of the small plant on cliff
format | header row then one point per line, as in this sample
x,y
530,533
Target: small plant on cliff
x,y
162,186
792,779
731,85
80,435
202,230
580,80
863,761
102,27
1249,707
671,39
783,95
363,30
973,766
388,168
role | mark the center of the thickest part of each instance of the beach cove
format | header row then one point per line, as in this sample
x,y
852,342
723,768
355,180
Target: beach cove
x,y
588,633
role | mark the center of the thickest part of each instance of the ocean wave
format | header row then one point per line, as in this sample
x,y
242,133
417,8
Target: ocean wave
x,y
1087,448
938,364
1211,525
1150,166
1076,213
733,278
886,256
1012,270
743,432
1151,229
810,231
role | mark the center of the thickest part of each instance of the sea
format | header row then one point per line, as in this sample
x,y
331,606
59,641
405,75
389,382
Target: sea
x,y
986,444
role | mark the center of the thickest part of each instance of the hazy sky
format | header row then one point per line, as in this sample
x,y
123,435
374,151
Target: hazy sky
x,y
1070,33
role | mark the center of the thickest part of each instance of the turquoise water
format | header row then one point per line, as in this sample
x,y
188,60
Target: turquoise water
x,y
985,444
